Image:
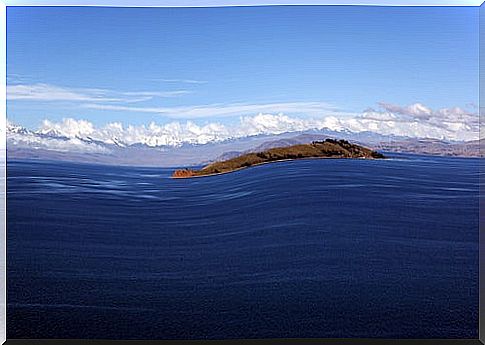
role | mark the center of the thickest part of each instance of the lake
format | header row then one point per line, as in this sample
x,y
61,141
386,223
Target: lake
x,y
311,248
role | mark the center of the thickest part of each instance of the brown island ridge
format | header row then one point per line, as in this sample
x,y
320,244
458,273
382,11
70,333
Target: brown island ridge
x,y
329,148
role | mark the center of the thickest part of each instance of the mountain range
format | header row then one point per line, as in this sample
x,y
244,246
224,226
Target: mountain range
x,y
23,143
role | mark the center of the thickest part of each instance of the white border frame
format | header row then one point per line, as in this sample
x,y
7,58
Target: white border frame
x,y
3,173
141,3
225,3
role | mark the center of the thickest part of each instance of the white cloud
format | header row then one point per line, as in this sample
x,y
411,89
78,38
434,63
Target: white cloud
x,y
68,128
47,92
410,121
416,110
415,120
21,138
226,110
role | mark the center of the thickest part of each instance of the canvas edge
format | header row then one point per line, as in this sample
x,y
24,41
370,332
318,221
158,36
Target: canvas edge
x,y
3,278
248,342
481,104
3,174
303,341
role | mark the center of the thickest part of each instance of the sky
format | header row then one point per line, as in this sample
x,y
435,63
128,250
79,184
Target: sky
x,y
218,66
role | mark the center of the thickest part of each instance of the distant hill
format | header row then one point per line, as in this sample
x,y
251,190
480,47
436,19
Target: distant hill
x,y
299,139
434,147
329,148
395,144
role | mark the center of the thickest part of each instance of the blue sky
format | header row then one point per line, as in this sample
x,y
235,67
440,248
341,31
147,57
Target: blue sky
x,y
136,65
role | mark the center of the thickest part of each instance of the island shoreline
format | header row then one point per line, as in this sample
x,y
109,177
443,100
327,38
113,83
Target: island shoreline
x,y
330,148
263,163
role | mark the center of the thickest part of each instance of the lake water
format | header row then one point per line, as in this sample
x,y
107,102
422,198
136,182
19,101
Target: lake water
x,y
310,248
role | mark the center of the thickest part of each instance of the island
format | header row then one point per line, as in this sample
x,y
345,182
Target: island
x,y
329,148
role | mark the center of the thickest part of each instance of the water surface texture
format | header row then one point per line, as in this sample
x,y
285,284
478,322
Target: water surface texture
x,y
309,248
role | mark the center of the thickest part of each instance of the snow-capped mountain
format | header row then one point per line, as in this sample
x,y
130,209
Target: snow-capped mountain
x,y
190,143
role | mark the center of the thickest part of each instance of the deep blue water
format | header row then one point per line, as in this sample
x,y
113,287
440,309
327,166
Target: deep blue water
x,y
310,248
